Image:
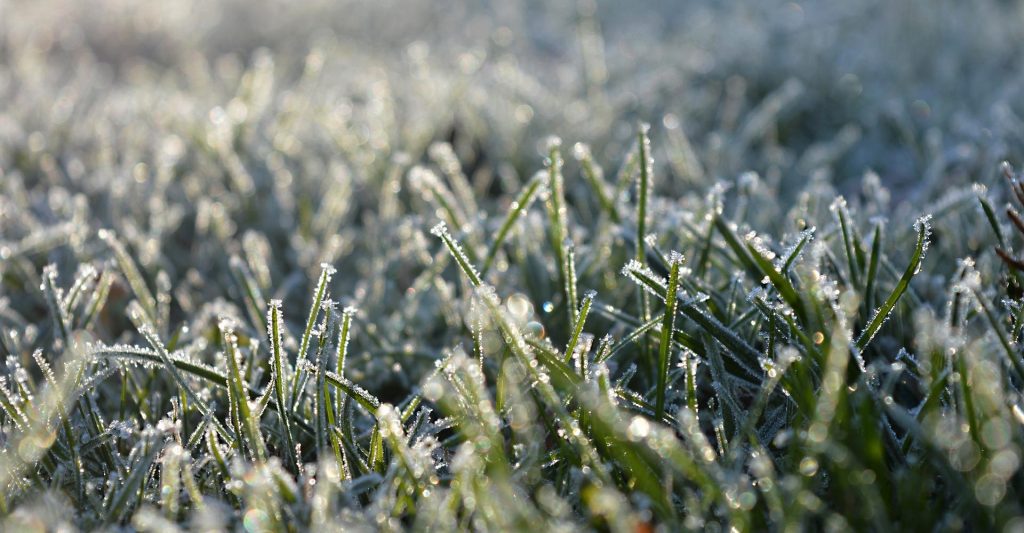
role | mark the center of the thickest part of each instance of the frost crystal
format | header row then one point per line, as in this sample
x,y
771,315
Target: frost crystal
x,y
440,229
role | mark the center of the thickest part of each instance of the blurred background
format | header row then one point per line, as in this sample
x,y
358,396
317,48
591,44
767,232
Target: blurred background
x,y
917,90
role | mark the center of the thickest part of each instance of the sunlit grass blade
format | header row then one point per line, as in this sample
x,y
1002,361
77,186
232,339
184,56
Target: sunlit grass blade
x,y
238,395
299,376
440,230
805,237
97,301
61,321
344,335
667,331
557,228
570,283
430,185
581,318
322,404
443,155
279,373
85,278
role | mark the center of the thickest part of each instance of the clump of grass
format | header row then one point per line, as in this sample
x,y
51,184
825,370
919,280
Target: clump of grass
x,y
774,380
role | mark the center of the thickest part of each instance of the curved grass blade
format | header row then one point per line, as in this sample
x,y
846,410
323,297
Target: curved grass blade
x,y
97,300
920,249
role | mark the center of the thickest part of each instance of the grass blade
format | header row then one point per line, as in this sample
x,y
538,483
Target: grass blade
x,y
516,210
440,230
667,332
279,374
882,313
299,377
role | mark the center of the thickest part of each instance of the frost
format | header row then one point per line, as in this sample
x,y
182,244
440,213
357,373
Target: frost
x,y
328,270
839,204
185,191
581,151
440,229
748,181
642,275
923,226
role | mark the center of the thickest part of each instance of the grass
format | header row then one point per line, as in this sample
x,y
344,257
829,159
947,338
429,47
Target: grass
x,y
295,292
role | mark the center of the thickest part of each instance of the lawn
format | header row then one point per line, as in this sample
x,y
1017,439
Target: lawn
x,y
592,265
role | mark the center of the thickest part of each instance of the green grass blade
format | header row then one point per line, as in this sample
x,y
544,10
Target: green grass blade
x,y
238,395
516,210
667,331
251,294
440,230
300,375
132,274
595,178
872,275
154,341
743,353
881,314
279,374
581,318
842,216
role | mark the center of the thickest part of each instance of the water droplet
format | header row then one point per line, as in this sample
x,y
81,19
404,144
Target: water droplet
x,y
639,428
535,329
808,466
519,306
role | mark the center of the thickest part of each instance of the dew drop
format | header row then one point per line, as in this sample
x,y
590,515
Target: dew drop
x,y
519,306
